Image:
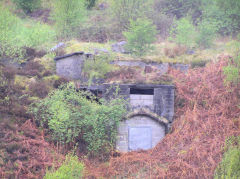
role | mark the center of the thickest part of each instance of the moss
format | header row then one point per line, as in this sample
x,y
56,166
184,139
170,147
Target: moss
x,y
47,61
51,79
21,81
75,46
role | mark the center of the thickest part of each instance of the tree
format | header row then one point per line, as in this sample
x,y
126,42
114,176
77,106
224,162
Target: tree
x,y
124,11
140,35
68,16
184,32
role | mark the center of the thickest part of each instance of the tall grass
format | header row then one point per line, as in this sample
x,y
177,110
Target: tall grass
x,y
16,35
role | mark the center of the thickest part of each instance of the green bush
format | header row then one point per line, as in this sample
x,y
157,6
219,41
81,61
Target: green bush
x,y
28,6
70,116
16,35
184,33
71,168
230,165
90,3
124,11
11,42
98,67
206,34
38,35
68,16
231,71
140,36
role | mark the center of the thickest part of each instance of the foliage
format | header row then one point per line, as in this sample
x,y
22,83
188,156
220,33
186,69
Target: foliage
x,y
38,35
71,168
124,11
97,68
15,36
184,33
180,8
28,6
231,71
230,164
206,34
140,35
70,116
231,15
68,16
10,40
90,3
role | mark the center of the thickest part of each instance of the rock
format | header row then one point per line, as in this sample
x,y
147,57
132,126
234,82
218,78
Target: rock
x,y
100,50
119,47
59,45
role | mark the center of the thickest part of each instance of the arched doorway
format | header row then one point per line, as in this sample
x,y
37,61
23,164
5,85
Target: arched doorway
x,y
141,130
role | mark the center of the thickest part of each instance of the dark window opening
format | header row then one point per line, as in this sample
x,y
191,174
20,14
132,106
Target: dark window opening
x,y
142,91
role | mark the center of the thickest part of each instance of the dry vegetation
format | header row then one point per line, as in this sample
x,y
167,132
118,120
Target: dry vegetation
x,y
207,114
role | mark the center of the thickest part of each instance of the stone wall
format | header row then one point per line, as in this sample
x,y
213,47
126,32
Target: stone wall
x,y
139,132
70,66
163,67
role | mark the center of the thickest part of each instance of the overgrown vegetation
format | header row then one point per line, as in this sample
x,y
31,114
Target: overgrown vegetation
x,y
28,6
231,71
68,16
71,168
97,67
230,164
198,30
140,36
15,36
71,117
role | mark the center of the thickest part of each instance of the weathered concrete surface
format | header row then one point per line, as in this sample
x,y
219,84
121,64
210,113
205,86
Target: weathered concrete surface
x,y
163,67
140,101
150,133
70,66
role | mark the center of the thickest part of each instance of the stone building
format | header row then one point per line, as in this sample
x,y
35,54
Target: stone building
x,y
150,110
71,65
150,114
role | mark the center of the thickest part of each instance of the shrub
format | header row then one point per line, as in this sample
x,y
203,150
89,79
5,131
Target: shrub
x,y
38,89
31,69
68,16
231,71
38,35
183,33
206,34
90,3
97,68
28,6
11,42
70,116
15,36
124,11
71,168
230,164
140,35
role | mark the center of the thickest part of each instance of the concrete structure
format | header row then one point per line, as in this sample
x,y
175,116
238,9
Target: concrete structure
x,y
151,107
71,65
151,110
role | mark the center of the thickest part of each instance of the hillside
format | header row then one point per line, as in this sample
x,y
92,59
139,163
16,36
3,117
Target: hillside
x,y
166,63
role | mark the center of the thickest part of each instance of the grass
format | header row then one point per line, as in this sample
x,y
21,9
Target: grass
x,y
156,55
